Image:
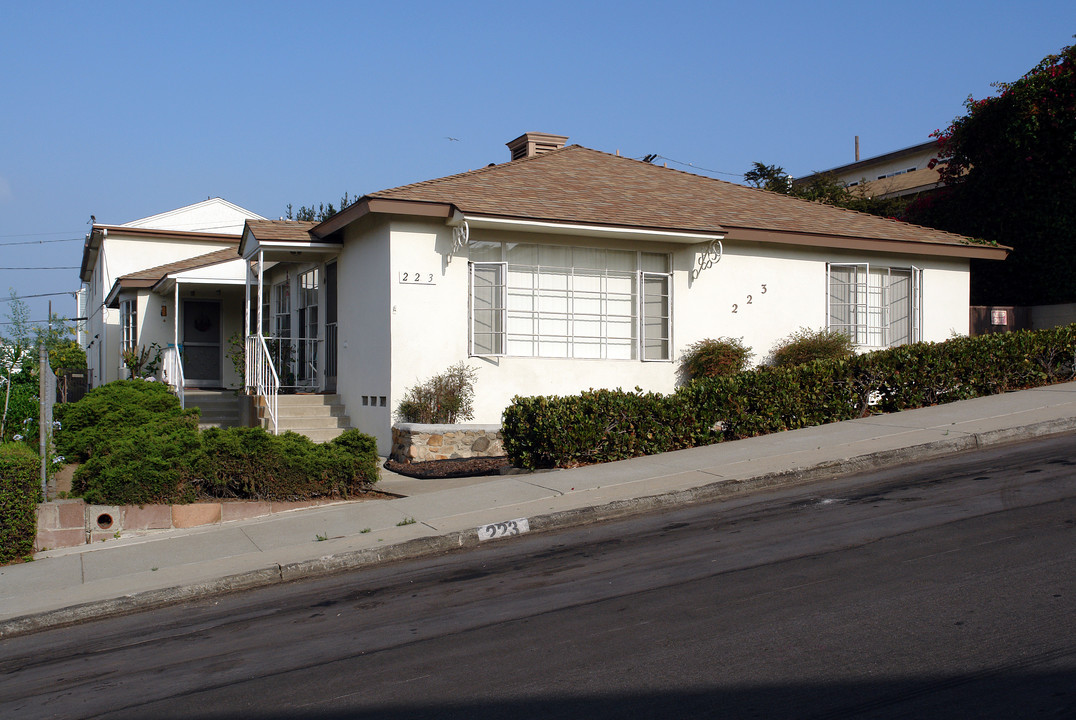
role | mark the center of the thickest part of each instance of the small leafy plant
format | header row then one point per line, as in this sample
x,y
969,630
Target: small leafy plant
x,y
443,399
714,358
143,363
807,345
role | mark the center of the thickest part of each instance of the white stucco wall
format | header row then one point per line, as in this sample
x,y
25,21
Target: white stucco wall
x,y
363,344
121,255
758,292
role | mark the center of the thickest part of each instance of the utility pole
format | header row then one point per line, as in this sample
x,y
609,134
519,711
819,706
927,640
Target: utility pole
x,y
43,372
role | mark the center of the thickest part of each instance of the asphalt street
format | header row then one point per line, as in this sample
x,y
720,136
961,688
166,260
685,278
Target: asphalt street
x,y
941,589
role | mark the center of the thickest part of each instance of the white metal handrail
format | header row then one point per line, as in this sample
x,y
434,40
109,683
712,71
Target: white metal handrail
x,y
172,373
261,376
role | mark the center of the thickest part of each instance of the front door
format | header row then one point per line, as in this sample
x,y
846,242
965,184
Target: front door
x,y
201,343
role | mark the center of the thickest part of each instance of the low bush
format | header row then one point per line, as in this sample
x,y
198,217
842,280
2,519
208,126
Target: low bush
x,y
603,425
251,463
144,449
807,345
112,410
444,398
595,426
714,358
20,491
141,464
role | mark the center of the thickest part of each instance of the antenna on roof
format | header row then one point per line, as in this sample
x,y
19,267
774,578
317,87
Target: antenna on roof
x,y
650,158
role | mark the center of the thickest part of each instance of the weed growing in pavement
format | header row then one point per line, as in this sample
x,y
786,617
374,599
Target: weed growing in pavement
x,y
406,521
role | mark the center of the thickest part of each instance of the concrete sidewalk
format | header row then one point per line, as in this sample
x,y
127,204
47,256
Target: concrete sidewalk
x,y
88,581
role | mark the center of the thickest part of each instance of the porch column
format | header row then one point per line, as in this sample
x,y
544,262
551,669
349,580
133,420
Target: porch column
x,y
261,264
175,321
246,298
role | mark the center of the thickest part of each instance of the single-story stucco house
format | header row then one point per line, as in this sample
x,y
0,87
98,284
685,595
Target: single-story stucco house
x,y
561,270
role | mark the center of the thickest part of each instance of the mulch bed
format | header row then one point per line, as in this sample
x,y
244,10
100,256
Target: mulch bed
x,y
461,467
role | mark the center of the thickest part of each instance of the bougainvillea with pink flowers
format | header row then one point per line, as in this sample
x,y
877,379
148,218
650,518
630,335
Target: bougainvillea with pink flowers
x,y
1010,168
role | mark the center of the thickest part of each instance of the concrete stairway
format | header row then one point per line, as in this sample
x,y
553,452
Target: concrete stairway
x,y
320,417
220,408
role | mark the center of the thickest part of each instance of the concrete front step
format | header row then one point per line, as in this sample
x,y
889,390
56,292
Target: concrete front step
x,y
219,408
322,435
320,417
288,422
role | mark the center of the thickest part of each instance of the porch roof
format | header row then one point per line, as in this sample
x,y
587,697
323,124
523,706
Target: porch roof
x,y
153,277
281,238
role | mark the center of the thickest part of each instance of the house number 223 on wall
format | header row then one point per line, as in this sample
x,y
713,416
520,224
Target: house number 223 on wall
x,y
416,278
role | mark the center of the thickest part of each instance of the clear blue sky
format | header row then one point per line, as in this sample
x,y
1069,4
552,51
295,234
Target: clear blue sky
x,y
124,110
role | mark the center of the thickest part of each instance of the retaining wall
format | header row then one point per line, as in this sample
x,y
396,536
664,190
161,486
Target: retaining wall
x,y
66,523
414,442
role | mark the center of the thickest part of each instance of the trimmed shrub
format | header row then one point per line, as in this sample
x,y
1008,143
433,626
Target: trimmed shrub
x,y
714,358
807,345
20,492
603,425
251,463
137,465
596,426
444,398
111,410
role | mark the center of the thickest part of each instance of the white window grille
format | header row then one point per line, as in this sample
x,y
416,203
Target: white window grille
x,y
308,285
129,324
530,300
282,309
875,306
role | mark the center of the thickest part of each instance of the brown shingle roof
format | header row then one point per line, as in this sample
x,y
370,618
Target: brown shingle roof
x,y
579,185
162,271
290,230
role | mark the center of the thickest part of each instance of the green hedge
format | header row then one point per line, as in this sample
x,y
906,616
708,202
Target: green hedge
x,y
174,463
138,447
20,492
604,425
251,463
143,464
112,408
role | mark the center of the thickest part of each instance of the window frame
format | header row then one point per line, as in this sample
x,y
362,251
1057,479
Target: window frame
x,y
128,325
497,304
866,302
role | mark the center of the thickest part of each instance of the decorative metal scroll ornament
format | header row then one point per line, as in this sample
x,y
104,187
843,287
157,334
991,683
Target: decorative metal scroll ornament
x,y
708,259
460,235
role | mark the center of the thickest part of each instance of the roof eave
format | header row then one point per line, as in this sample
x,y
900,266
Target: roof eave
x,y
368,205
842,242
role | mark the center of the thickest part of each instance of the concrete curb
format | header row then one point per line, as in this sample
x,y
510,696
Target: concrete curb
x,y
438,544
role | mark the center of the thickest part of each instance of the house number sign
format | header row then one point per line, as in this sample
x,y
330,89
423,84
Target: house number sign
x,y
408,277
504,529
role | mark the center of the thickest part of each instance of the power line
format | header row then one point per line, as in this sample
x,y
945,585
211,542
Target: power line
x,y
39,295
58,232
58,267
55,321
40,242
696,167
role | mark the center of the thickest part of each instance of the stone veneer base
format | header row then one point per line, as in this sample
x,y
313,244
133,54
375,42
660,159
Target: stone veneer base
x,y
415,442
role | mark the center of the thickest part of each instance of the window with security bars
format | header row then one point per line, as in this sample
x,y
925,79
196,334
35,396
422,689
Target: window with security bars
x,y
875,306
530,300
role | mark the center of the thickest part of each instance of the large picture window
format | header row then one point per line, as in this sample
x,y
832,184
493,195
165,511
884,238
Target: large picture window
x,y
875,306
531,300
